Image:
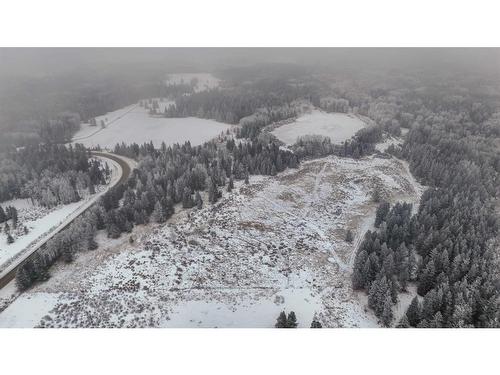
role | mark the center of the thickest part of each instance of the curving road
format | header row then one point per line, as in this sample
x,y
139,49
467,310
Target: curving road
x,y
126,167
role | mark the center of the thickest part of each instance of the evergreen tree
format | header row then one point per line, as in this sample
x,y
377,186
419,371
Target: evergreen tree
x,y
14,216
91,243
230,185
404,323
3,216
187,199
291,321
316,324
128,226
247,180
387,315
10,239
23,278
414,312
67,254
359,275
113,231
198,200
376,194
423,324
213,193
159,215
349,236
437,321
381,214
281,322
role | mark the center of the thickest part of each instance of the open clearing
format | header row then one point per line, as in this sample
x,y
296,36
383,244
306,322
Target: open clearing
x,y
134,124
276,244
338,126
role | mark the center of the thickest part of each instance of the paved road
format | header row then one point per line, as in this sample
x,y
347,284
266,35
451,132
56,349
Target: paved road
x,y
126,166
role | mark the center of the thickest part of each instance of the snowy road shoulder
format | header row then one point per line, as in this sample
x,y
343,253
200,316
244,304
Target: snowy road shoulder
x,y
47,226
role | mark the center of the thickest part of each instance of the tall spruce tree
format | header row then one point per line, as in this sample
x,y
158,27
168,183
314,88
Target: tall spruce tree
x,y
291,320
414,312
281,322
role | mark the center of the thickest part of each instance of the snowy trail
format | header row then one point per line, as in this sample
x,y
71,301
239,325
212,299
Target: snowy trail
x,y
366,225
317,183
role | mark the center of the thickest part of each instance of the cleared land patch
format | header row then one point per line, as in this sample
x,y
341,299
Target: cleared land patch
x,y
134,124
338,126
237,263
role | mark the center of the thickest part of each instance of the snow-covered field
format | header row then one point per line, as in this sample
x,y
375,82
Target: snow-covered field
x,y
134,124
205,81
338,126
41,221
276,244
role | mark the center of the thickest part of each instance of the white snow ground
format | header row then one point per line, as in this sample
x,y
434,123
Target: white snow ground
x,y
338,126
134,124
277,244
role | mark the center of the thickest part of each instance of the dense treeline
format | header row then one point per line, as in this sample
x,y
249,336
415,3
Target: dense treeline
x,y
384,264
361,144
447,247
231,105
252,125
330,104
49,174
61,129
176,89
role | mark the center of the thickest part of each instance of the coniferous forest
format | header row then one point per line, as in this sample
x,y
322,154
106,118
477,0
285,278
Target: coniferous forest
x,y
446,248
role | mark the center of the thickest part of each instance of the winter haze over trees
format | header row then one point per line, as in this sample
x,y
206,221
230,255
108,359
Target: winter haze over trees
x,y
429,263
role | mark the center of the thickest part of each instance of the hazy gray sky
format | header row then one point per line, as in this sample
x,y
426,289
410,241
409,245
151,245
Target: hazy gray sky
x,y
42,61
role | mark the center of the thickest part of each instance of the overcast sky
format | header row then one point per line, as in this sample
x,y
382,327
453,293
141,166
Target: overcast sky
x,y
42,61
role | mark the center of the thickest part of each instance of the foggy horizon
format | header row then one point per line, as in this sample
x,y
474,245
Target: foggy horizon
x,y
40,62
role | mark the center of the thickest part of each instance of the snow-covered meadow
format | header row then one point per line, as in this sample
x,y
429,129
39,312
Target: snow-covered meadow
x,y
338,126
276,244
134,124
